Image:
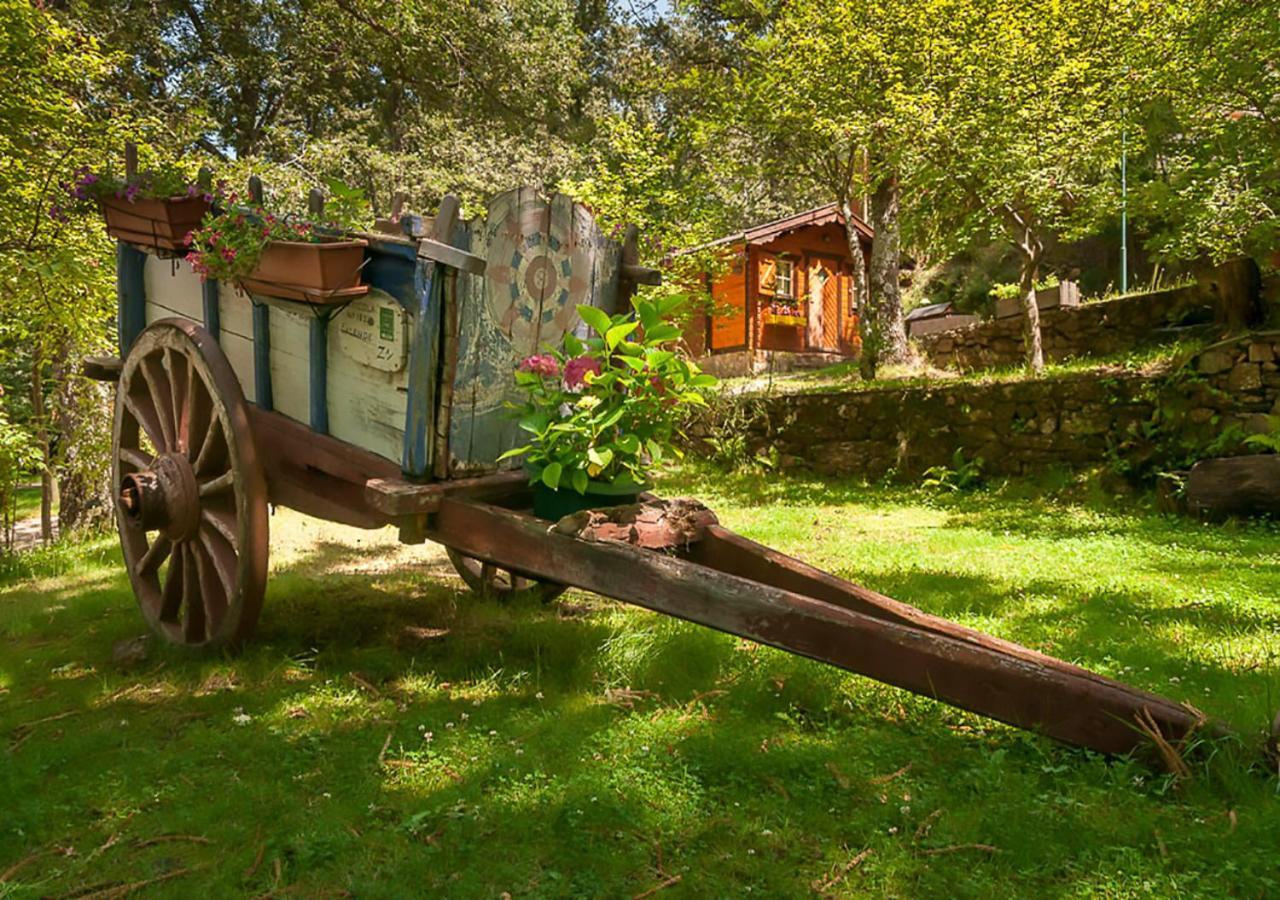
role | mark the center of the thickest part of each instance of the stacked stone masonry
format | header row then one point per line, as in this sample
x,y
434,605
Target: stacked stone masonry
x,y
1024,427
1094,329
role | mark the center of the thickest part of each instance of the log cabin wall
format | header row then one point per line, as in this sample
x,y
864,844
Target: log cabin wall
x,y
747,314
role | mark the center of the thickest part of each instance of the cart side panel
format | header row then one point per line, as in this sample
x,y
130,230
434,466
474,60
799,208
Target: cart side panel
x,y
545,258
365,391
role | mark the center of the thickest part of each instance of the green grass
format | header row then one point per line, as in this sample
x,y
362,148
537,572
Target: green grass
x,y
388,735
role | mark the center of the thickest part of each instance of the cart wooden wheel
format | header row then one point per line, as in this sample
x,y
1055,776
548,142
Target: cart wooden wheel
x,y
191,503
490,580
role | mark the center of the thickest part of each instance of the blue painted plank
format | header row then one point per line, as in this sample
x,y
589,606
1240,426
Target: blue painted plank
x,y
262,355
319,375
424,344
212,312
392,267
131,294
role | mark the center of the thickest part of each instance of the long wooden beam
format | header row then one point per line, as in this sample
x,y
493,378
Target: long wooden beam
x,y
847,627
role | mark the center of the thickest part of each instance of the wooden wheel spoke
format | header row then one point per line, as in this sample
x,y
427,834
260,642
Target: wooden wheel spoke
x,y
155,556
212,437
136,458
223,482
194,625
223,560
144,414
223,523
180,383
161,398
171,592
212,593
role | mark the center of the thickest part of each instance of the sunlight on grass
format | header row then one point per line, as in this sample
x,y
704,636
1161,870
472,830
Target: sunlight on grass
x,y
387,729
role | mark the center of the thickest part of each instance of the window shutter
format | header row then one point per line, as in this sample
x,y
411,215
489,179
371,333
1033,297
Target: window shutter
x,y
768,275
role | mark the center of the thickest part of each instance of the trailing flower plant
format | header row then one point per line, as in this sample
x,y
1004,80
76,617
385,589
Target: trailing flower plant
x,y
168,181
229,243
606,409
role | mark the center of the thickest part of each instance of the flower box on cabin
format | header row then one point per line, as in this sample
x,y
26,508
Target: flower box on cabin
x,y
159,223
323,272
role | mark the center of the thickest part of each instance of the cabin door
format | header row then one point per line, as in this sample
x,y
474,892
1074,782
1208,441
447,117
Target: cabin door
x,y
824,305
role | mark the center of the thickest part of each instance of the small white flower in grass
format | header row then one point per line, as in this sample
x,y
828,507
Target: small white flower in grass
x,y
893,829
493,733
428,736
519,751
538,696
766,832
326,795
124,723
448,724
751,852
644,748
241,717
464,717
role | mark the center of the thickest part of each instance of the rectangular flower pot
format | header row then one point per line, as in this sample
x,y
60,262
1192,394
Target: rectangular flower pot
x,y
163,224
323,268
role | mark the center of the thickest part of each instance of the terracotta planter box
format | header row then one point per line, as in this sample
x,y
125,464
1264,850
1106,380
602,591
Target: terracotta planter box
x,y
163,224
317,273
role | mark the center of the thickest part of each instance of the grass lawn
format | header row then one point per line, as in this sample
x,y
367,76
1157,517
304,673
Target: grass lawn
x,y
388,735
26,503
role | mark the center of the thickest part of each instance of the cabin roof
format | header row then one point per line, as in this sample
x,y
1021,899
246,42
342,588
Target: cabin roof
x,y
764,233
929,311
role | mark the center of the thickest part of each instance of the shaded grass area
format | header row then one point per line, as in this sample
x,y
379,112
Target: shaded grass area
x,y
387,734
26,503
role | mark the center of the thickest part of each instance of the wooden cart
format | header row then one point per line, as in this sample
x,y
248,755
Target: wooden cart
x,y
387,409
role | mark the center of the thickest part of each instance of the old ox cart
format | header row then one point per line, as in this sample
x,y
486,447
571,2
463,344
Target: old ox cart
x,y
386,408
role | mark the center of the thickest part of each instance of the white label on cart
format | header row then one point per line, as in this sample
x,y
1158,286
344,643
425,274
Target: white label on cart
x,y
371,330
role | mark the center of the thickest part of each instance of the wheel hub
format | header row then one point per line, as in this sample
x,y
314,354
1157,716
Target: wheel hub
x,y
164,497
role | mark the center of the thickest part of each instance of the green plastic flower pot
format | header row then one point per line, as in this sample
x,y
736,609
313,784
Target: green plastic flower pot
x,y
556,504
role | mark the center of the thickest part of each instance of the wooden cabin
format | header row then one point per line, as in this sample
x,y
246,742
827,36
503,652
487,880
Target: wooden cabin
x,y
786,286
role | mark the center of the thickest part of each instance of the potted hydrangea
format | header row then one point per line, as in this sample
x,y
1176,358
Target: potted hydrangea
x,y
602,412
157,208
281,256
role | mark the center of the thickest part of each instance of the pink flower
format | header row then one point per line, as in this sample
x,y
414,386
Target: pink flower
x,y
540,365
576,369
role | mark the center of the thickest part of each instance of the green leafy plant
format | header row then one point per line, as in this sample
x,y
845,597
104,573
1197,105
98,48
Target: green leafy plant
x,y
1269,441
607,408
1012,290
164,181
347,208
962,475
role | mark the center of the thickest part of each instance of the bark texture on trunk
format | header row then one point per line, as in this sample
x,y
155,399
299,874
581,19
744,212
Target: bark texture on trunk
x,y
1031,311
886,252
869,353
82,420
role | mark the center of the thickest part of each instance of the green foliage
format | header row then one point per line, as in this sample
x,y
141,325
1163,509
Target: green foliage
x,y
1012,290
606,408
1268,441
963,474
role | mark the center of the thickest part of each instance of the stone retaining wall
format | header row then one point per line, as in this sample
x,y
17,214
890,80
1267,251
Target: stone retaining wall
x,y
1094,329
1025,427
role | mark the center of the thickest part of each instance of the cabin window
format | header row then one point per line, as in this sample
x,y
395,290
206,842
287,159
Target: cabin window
x,y
783,285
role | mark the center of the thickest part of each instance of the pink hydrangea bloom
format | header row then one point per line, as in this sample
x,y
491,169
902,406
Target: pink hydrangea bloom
x,y
576,369
540,364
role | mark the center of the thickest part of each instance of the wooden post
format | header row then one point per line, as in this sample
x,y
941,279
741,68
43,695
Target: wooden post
x,y
255,189
315,204
424,349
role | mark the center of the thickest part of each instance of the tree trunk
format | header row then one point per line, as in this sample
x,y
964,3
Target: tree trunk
x,y
1031,248
82,420
885,264
41,422
869,354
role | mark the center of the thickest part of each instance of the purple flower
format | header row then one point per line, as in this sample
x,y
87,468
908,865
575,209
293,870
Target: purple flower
x,y
576,369
540,364
57,213
131,192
